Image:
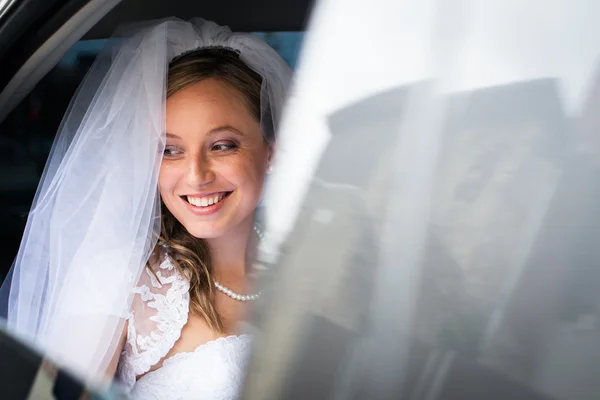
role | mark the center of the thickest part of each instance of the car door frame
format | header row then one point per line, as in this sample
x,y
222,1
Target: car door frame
x,y
35,35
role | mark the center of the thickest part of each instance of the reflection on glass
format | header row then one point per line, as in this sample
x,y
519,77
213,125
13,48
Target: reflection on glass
x,y
446,244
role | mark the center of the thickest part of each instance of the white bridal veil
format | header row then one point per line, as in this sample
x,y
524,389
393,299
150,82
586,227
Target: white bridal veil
x,y
95,217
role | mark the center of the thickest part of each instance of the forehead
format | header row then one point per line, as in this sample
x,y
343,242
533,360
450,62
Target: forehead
x,y
207,104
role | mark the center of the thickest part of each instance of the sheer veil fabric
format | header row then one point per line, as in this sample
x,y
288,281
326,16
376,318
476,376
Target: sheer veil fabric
x,y
95,218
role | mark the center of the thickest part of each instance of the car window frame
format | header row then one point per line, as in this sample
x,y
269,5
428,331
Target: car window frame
x,y
33,54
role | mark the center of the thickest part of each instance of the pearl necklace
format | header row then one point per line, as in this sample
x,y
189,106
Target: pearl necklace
x,y
231,293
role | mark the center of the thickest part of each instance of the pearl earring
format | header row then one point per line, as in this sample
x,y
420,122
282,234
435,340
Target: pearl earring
x,y
270,169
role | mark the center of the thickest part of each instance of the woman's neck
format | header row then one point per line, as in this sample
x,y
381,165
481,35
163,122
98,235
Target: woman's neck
x,y
230,253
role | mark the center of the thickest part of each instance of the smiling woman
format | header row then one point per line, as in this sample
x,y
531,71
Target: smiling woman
x,y
214,164
146,258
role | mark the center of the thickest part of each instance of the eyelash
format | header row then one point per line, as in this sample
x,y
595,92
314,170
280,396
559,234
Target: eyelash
x,y
171,151
228,146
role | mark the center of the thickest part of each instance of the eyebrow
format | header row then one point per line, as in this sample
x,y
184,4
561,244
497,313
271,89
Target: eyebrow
x,y
215,130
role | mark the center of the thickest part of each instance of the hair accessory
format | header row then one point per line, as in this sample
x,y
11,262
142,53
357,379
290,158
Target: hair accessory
x,y
198,50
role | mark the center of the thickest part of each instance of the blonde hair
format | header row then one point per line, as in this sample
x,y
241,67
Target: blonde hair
x,y
190,254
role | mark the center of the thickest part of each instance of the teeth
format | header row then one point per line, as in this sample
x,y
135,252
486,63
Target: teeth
x,y
204,201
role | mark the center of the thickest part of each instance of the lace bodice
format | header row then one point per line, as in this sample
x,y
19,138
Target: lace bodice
x,y
159,312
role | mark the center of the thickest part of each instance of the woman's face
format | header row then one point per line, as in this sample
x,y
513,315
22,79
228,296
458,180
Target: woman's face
x,y
215,159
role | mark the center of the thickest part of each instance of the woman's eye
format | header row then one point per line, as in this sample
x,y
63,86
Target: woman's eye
x,y
223,146
171,151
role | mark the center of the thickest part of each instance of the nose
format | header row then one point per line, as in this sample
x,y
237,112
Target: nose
x,y
200,171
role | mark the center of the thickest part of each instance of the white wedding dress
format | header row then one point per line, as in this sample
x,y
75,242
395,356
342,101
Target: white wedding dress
x,y
215,370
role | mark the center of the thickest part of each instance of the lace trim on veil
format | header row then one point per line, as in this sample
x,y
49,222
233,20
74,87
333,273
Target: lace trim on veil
x,y
159,312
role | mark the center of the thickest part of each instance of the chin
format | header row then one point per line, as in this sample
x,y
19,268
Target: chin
x,y
205,230
205,233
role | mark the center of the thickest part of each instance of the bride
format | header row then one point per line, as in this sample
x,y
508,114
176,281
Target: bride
x,y
135,260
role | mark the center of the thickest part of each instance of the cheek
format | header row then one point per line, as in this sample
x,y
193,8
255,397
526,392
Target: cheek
x,y
254,183
167,180
250,172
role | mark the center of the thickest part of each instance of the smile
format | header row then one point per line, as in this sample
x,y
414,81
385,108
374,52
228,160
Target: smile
x,y
207,204
206,201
